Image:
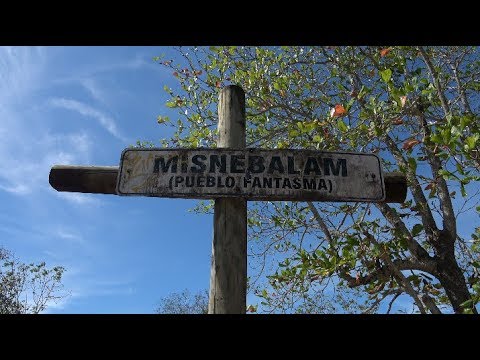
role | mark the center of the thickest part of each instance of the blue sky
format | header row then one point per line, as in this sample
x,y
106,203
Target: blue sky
x,y
84,105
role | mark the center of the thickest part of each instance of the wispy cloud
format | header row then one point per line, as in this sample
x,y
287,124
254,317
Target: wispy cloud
x,y
94,90
135,63
70,236
21,71
26,163
29,148
82,287
79,198
105,121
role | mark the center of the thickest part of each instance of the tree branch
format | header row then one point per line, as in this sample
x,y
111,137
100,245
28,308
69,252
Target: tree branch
x,y
398,274
449,221
461,91
416,189
430,304
320,221
436,80
397,294
377,274
415,248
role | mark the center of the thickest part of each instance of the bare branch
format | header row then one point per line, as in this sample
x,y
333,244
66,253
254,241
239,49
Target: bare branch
x,y
415,248
449,221
398,274
436,80
417,192
430,304
397,294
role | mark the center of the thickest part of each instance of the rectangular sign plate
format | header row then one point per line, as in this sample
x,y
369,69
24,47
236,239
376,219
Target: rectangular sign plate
x,y
254,174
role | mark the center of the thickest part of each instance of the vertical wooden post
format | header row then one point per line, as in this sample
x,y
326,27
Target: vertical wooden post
x,y
228,276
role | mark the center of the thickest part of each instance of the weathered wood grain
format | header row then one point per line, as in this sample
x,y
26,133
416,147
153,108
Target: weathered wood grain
x,y
228,272
103,180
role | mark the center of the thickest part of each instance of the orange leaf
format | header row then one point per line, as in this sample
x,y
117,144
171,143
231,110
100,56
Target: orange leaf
x,y
403,100
430,186
397,122
175,74
197,73
384,52
218,84
410,143
338,110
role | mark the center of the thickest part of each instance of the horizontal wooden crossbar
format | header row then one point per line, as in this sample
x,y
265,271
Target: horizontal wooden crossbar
x,y
103,180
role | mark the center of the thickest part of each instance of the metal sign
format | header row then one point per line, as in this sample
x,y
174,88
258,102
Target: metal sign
x,y
283,174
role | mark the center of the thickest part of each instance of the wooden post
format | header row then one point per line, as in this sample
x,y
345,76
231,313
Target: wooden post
x,y
103,179
228,276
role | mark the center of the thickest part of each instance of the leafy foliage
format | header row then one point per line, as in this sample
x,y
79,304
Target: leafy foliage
x,y
184,303
417,107
27,288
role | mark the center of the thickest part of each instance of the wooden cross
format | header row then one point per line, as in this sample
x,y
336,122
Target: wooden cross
x,y
231,175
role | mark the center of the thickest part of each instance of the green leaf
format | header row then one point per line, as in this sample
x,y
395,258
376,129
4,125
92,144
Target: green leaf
x,y
446,134
417,229
413,163
342,126
386,75
317,138
162,119
455,131
471,141
436,138
409,88
171,104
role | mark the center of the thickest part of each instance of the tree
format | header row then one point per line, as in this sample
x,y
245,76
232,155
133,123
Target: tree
x,y
27,288
417,107
184,303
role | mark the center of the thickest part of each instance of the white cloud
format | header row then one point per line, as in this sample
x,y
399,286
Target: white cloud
x,y
26,162
53,306
83,287
70,236
80,141
93,89
79,198
28,148
19,189
105,121
136,63
20,72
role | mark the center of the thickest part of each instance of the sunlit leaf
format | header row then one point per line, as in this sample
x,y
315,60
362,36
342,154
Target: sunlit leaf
x,y
386,75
